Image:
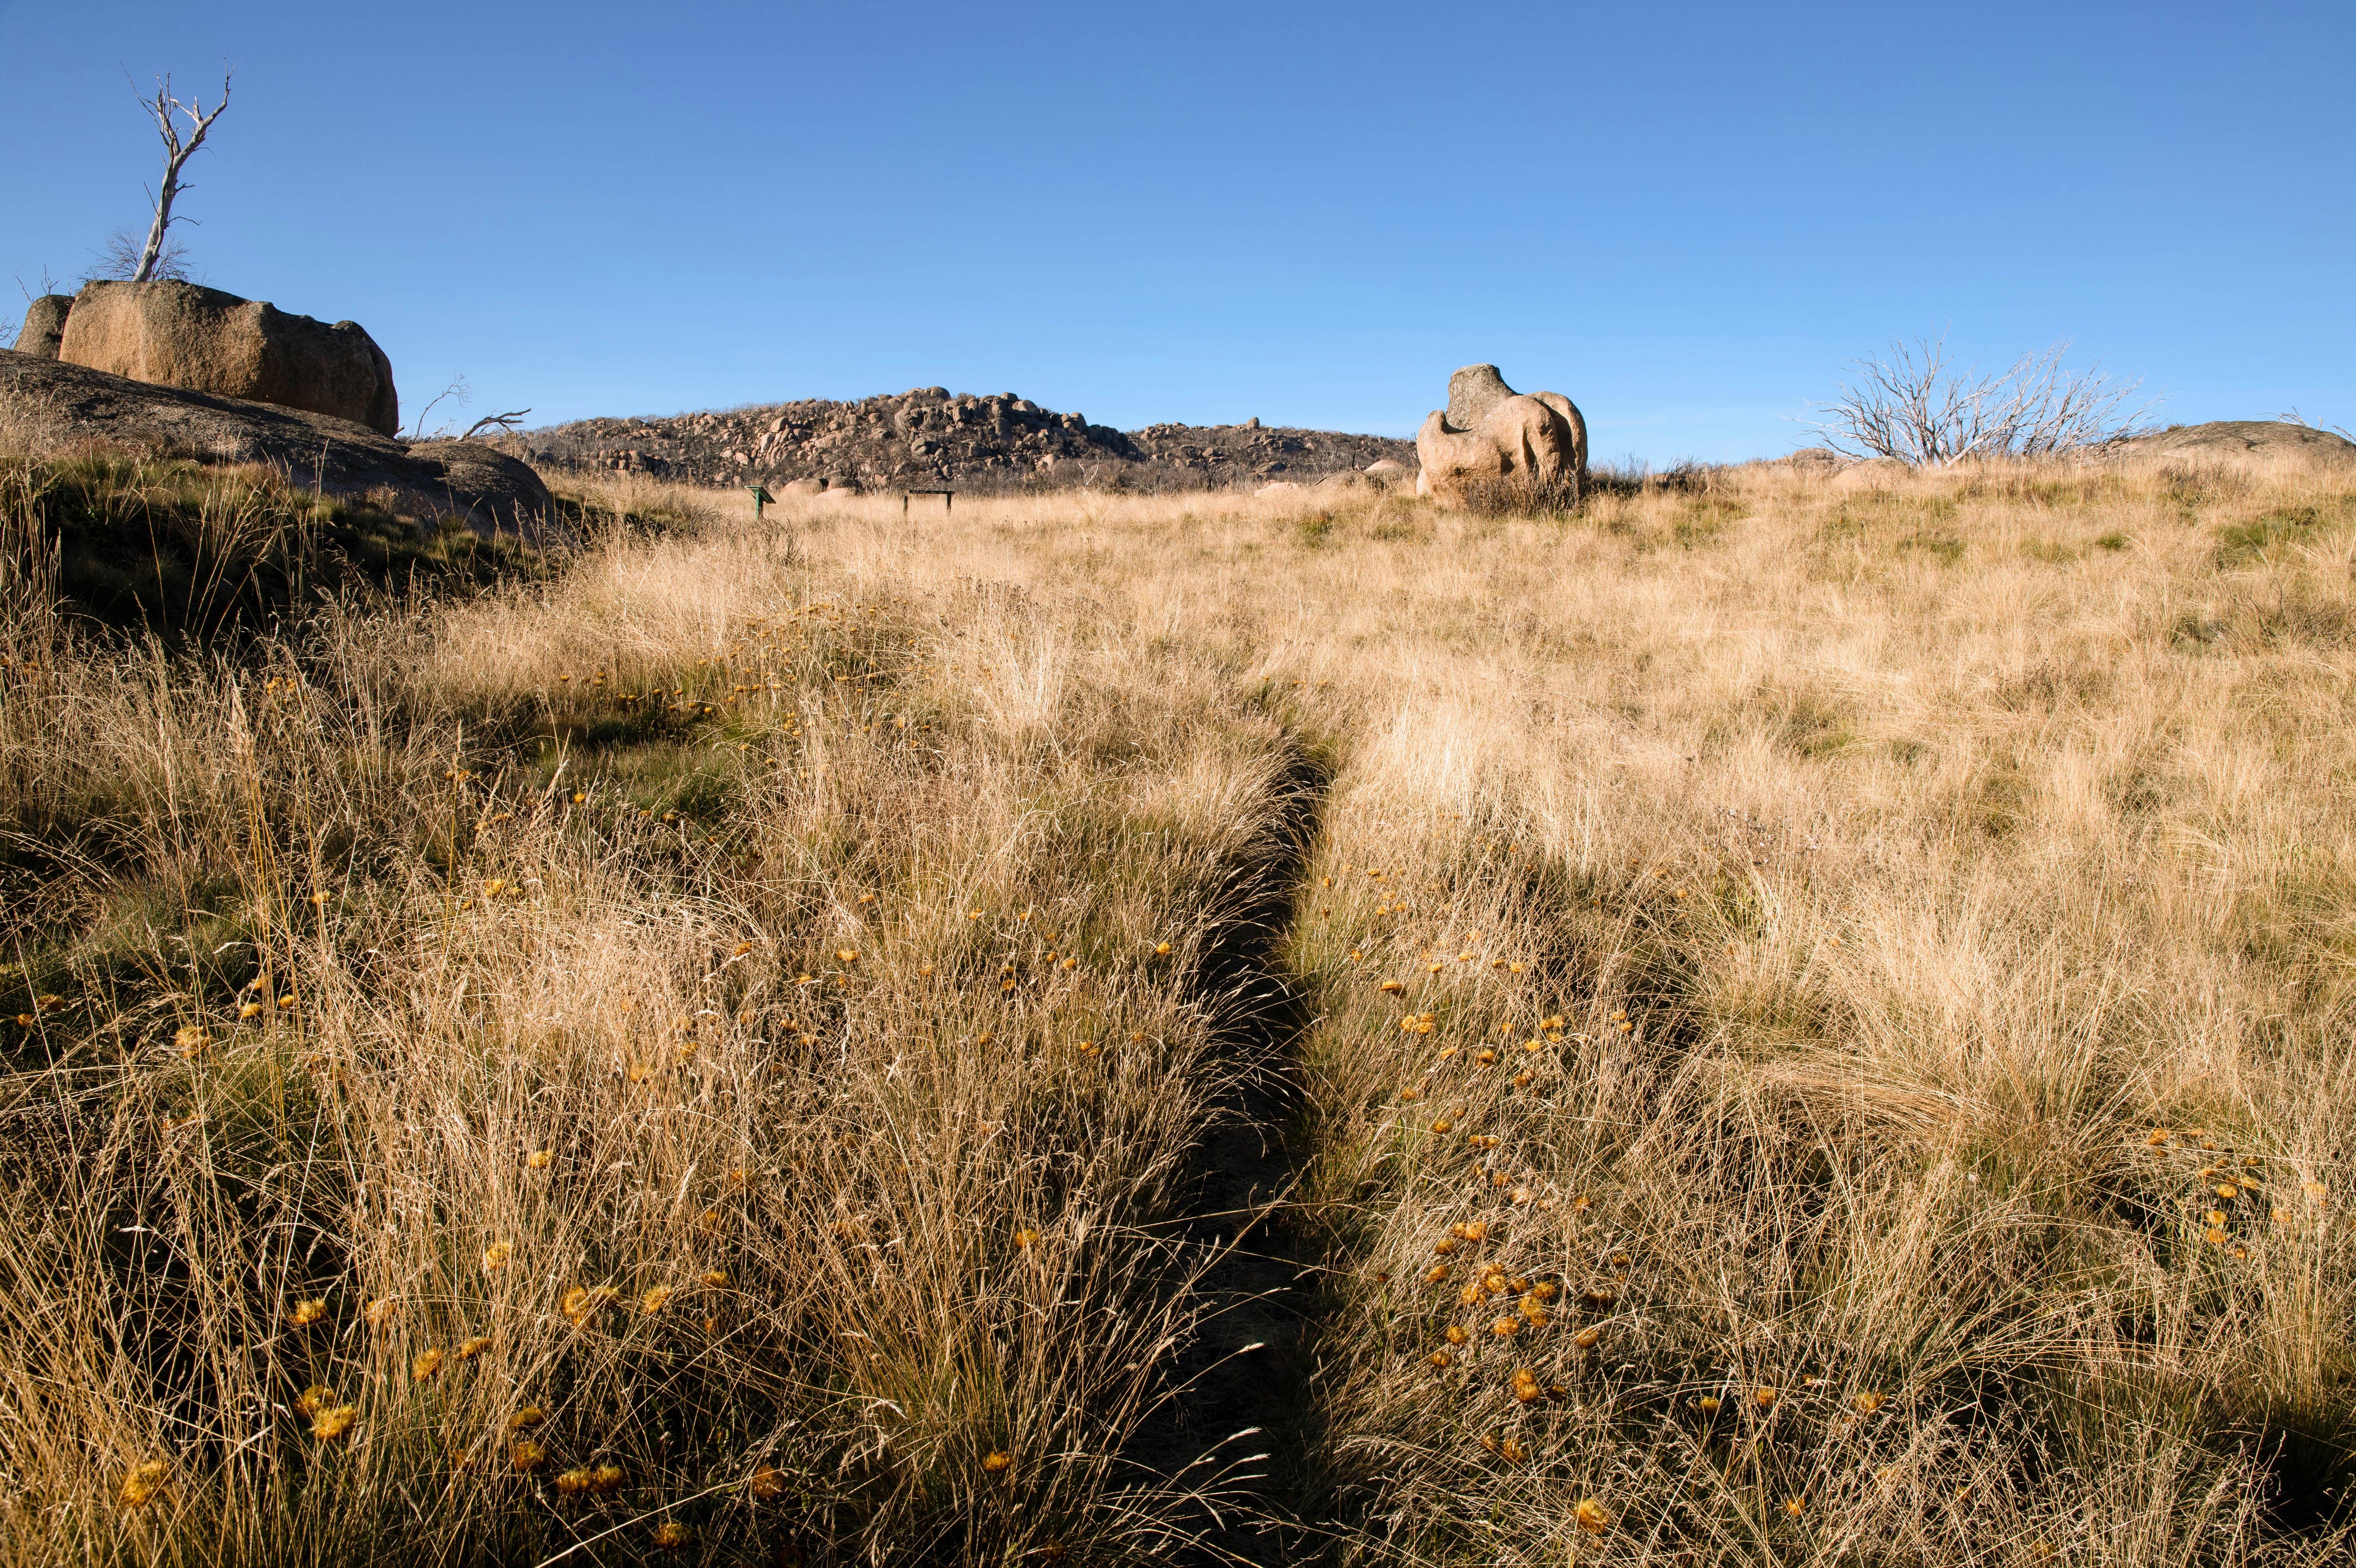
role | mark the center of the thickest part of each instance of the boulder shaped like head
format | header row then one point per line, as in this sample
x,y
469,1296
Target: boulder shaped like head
x,y
1493,447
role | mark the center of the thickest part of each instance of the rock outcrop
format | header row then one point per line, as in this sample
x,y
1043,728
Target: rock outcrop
x,y
1495,447
44,325
928,439
1869,474
52,404
2234,441
202,340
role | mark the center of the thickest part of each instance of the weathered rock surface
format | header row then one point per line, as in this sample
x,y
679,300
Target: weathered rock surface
x,y
50,404
928,438
1492,445
44,324
2236,440
1872,474
200,339
1473,392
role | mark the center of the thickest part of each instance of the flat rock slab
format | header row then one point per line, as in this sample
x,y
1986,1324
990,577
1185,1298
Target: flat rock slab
x,y
2242,438
49,404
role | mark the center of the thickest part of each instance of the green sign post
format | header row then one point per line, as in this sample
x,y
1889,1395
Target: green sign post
x,y
760,498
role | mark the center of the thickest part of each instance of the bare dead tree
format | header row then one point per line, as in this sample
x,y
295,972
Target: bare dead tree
x,y
1917,407
458,390
503,423
176,154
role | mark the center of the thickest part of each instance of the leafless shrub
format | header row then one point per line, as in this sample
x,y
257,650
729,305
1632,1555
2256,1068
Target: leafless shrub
x,y
2292,416
118,259
1917,406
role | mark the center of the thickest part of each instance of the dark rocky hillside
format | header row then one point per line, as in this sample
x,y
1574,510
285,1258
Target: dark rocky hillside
x,y
929,438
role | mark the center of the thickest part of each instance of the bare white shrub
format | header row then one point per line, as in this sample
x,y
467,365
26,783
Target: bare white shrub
x,y
2292,416
1917,406
118,260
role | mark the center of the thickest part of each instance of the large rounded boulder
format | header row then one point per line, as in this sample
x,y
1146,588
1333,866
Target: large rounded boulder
x,y
45,326
2237,442
1495,448
179,335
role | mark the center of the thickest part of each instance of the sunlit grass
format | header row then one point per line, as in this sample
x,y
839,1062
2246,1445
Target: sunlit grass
x,y
1820,1033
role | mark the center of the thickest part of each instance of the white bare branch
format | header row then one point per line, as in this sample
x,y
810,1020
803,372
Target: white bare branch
x,y
176,154
501,422
458,392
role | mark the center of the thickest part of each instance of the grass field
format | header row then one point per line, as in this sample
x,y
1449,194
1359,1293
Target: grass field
x,y
1758,1021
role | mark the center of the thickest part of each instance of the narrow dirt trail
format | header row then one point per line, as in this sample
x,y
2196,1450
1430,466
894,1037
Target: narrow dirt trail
x,y
1235,1427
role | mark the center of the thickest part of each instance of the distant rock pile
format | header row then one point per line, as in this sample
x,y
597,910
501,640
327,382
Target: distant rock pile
x,y
930,438
203,340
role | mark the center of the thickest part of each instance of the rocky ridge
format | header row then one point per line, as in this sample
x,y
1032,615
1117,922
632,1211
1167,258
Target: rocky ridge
x,y
930,438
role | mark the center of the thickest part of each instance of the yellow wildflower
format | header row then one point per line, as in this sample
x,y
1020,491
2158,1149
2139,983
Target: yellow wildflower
x,y
144,1482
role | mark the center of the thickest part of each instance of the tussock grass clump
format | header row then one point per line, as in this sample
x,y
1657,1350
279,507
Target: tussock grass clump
x,y
1811,1034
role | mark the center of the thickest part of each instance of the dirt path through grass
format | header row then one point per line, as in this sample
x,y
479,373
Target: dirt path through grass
x,y
1232,1431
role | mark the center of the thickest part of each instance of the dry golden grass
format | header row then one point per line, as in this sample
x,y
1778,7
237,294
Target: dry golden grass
x,y
1851,984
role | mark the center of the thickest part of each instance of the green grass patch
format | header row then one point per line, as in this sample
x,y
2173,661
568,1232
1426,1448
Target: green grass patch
x,y
2246,544
1943,547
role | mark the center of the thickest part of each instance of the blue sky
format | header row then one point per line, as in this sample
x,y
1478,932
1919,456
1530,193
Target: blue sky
x,y
1686,217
